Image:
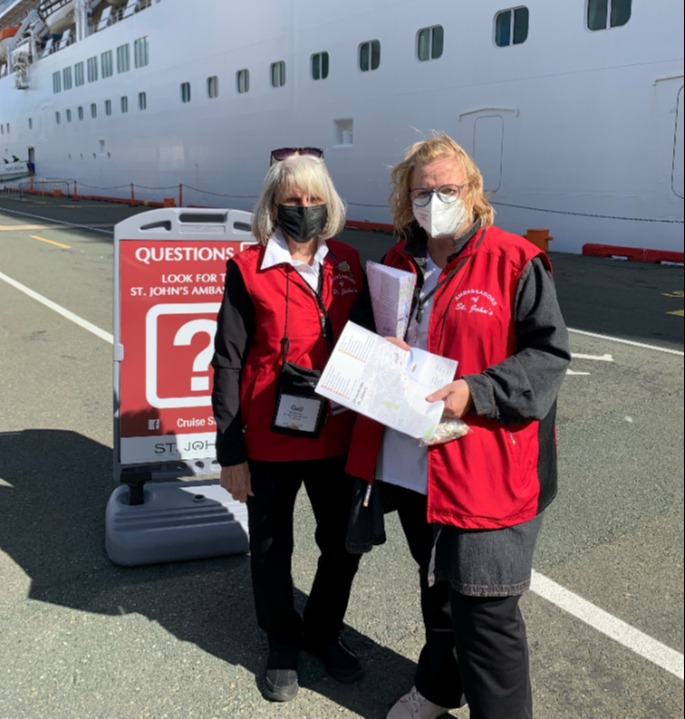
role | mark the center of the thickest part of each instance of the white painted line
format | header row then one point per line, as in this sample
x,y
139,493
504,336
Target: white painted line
x,y
55,223
627,342
631,638
635,640
597,358
57,308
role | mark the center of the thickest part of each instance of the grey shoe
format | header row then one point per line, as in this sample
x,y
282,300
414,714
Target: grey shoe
x,y
280,681
415,706
280,685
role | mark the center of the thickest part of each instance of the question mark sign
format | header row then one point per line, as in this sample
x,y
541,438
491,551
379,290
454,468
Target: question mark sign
x,y
184,336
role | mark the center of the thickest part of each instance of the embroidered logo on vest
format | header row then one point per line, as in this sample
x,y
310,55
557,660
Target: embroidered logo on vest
x,y
475,302
344,282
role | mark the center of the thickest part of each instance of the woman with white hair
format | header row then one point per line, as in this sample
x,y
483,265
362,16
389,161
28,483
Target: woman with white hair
x,y
285,303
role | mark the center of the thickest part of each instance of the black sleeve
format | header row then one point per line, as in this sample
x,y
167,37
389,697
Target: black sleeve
x,y
234,333
525,385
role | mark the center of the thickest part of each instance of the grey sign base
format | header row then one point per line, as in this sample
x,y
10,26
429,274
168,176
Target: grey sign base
x,y
177,521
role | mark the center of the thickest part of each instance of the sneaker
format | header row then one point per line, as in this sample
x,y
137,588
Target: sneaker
x,y
280,681
340,661
415,706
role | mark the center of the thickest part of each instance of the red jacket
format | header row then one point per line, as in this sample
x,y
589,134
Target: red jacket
x,y
492,477
342,281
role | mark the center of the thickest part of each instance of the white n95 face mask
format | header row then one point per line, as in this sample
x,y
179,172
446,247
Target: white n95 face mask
x,y
439,218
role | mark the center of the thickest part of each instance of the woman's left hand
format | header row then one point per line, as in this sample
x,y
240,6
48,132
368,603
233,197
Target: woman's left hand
x,y
457,398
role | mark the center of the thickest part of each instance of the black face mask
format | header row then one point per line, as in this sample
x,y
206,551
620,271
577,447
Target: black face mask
x,y
302,224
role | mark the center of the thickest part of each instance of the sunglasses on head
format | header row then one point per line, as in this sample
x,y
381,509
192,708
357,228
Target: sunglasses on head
x,y
284,152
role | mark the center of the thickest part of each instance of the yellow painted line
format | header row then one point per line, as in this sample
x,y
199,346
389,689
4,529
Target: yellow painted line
x,y
677,313
677,293
52,242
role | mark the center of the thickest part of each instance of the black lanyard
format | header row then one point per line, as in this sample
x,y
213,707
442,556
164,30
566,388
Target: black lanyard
x,y
420,302
326,328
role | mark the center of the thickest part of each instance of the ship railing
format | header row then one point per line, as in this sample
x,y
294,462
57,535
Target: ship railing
x,y
132,7
131,194
110,15
40,186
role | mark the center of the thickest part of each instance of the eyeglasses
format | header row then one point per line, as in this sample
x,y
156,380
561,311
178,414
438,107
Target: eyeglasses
x,y
447,194
284,152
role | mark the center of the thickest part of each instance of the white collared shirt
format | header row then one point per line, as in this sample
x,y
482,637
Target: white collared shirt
x,y
277,253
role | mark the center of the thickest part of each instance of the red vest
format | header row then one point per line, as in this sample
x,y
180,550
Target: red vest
x,y
342,281
488,478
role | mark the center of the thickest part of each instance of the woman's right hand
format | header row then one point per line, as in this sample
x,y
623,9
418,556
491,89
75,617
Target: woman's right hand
x,y
236,481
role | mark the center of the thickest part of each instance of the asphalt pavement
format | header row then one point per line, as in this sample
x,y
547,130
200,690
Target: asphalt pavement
x,y
83,638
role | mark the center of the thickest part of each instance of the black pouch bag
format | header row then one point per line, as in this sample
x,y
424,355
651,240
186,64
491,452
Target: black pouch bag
x,y
299,410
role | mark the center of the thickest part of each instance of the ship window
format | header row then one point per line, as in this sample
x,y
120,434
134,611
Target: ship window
x,y
124,104
430,42
108,107
511,27
140,52
58,117
320,66
185,92
56,82
607,13
79,111
213,86
68,113
278,74
344,132
106,64
369,55
93,109
30,123
66,78
92,69
142,101
79,77
242,78
123,58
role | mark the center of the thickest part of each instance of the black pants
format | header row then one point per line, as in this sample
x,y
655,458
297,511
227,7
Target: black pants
x,y
476,648
270,515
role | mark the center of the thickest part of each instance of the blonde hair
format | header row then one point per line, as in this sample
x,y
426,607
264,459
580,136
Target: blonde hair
x,y
437,147
311,176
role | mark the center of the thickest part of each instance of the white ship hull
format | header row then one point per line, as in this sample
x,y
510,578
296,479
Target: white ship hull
x,y
576,131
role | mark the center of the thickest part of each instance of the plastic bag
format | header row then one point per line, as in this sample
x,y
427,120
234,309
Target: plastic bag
x,y
446,431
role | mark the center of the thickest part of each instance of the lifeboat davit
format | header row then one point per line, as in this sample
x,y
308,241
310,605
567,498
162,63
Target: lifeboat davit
x,y
6,35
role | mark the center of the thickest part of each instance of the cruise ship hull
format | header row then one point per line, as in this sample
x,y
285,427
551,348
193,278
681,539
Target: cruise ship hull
x,y
576,131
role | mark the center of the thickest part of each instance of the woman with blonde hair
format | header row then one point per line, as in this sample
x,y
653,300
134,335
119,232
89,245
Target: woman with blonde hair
x,y
470,506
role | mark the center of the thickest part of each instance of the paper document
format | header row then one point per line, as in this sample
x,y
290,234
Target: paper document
x,y
391,294
372,376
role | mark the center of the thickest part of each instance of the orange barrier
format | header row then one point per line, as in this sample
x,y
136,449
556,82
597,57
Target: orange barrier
x,y
637,254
